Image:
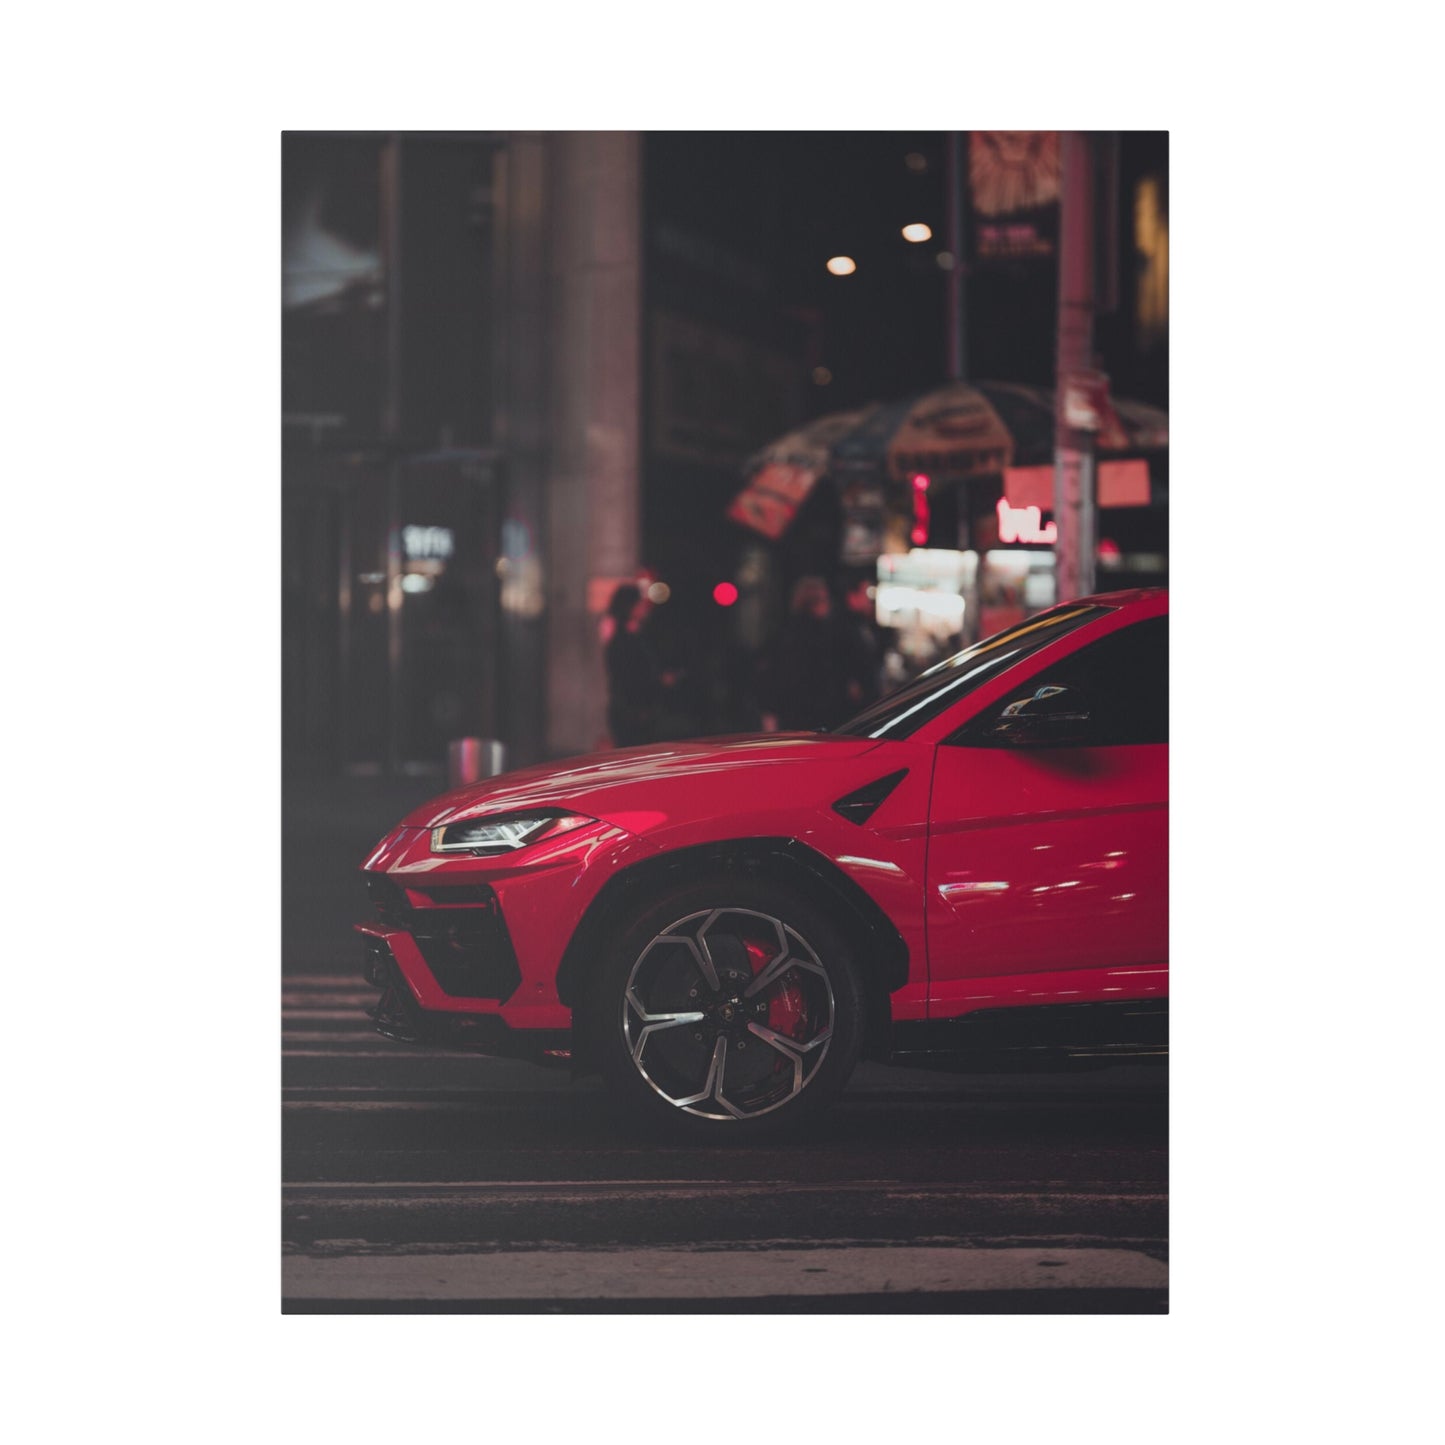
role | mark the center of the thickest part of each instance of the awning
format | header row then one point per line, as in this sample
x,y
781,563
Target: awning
x,y
951,434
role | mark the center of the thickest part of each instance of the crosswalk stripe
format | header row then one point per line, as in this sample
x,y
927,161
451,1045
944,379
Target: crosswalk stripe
x,y
340,1039
394,1051
324,998
418,1091
314,1014
590,1191
327,1000
361,1030
713,1272
498,1099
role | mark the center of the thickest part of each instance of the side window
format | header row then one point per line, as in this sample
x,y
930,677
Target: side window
x,y
1123,678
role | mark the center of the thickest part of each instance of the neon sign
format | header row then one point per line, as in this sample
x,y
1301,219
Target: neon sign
x,y
1024,524
919,535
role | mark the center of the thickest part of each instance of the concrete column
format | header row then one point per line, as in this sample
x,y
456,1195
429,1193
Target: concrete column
x,y
594,406
520,430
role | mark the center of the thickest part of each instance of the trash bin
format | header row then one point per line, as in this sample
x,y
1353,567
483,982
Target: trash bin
x,y
471,759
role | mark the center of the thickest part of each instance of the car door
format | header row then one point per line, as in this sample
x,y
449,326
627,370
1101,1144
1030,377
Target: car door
x,y
1047,870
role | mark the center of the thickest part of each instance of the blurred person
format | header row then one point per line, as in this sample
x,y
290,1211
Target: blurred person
x,y
810,676
634,679
866,638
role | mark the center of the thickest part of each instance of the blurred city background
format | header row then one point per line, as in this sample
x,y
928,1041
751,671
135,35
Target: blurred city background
x,y
595,438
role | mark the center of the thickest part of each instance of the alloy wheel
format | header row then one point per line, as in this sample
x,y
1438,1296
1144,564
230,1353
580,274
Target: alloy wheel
x,y
728,1014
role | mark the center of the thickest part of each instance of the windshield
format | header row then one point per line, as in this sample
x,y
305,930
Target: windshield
x,y
902,712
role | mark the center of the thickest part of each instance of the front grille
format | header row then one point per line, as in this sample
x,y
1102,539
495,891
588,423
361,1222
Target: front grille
x,y
390,901
452,895
464,941
468,949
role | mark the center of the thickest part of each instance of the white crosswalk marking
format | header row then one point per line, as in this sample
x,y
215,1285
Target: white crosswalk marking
x,y
719,1273
596,1191
324,1016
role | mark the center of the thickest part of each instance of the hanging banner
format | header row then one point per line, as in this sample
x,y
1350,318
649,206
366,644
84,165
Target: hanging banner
x,y
1030,487
1014,189
781,476
1124,484
772,497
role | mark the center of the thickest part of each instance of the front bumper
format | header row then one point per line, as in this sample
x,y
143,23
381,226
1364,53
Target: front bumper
x,y
461,935
466,949
399,1016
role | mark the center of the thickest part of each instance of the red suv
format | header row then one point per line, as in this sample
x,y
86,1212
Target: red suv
x,y
971,873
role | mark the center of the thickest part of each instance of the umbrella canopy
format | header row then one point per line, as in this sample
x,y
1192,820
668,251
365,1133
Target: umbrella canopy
x,y
781,475
951,434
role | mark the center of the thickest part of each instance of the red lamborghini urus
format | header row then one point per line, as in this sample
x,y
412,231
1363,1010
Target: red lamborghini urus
x,y
972,873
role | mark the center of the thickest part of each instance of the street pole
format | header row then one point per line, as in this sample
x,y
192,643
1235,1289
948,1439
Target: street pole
x,y
1073,445
956,237
955,177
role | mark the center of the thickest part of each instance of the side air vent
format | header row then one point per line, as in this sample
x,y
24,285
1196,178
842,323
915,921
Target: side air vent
x,y
860,805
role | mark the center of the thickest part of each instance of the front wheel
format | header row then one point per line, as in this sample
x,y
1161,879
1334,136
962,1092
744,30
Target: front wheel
x,y
726,1008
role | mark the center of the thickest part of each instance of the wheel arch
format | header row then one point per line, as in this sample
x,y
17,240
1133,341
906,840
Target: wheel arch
x,y
883,957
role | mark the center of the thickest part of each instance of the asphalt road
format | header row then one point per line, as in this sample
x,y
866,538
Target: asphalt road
x,y
435,1182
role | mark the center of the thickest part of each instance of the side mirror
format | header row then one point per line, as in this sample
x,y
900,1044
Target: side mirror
x,y
1051,717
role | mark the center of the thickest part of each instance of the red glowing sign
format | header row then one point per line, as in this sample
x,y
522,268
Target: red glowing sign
x,y
1024,524
724,594
919,534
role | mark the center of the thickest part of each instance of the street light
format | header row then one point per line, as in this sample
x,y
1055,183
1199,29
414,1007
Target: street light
x,y
842,265
917,231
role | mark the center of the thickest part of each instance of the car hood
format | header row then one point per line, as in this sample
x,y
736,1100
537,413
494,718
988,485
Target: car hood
x,y
602,784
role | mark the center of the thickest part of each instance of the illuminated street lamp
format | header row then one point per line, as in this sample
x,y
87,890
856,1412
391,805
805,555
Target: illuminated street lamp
x,y
917,231
842,265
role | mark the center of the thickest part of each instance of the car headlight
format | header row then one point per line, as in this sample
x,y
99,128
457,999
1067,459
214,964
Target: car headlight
x,y
488,837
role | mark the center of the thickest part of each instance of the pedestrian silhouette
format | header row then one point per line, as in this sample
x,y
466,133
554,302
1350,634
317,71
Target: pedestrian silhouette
x,y
634,679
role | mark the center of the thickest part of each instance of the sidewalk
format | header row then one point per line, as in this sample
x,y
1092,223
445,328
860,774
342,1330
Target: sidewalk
x,y
328,826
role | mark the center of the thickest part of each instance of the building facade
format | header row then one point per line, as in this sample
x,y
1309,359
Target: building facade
x,y
461,332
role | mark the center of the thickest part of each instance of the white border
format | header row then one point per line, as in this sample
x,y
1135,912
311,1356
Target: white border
x,y
141,235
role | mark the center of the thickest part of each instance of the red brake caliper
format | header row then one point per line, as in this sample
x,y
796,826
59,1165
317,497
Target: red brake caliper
x,y
787,1008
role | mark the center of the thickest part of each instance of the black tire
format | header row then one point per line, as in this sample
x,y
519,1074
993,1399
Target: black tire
x,y
787,987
